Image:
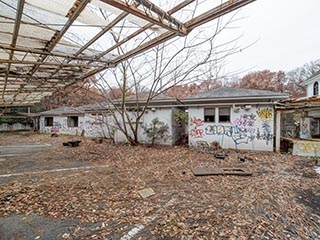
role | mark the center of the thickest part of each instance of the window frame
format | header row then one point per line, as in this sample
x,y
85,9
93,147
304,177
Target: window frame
x,y
46,122
69,121
210,116
220,115
315,88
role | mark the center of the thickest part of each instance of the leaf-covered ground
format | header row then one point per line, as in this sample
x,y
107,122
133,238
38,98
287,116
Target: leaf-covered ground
x,y
280,201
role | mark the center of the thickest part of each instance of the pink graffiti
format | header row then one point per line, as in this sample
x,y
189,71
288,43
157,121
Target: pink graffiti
x,y
196,122
196,133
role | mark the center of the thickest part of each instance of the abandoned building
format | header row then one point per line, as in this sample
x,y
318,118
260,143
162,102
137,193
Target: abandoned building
x,y
235,118
100,119
300,124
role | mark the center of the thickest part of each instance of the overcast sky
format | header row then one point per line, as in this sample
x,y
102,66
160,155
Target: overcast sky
x,y
288,34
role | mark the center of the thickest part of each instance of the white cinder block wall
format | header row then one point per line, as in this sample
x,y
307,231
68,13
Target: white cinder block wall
x,y
248,129
164,115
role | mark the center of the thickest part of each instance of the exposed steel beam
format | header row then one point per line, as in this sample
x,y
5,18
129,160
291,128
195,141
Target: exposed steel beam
x,y
173,10
73,15
141,30
216,12
18,62
41,52
20,6
162,18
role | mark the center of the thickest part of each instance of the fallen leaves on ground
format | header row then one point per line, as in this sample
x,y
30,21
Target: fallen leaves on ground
x,y
267,205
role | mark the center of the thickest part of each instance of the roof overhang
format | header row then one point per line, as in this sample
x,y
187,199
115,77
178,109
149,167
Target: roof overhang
x,y
38,54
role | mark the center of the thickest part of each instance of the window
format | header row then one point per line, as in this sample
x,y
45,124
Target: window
x,y
316,89
224,114
48,121
73,121
209,114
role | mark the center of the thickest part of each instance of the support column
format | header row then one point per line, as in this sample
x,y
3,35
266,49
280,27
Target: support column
x,y
278,130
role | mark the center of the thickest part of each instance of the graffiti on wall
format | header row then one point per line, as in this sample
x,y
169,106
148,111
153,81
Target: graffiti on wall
x,y
264,114
265,133
306,148
243,129
56,124
245,121
305,128
238,135
195,131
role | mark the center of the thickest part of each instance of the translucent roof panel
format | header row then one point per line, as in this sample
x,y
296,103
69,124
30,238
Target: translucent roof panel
x,y
48,44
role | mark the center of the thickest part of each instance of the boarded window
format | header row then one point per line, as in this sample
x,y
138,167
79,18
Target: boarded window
x,y
224,114
48,121
209,114
73,121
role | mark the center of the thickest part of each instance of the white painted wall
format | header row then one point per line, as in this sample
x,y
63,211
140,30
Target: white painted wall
x,y
104,126
164,115
98,125
60,123
309,87
249,129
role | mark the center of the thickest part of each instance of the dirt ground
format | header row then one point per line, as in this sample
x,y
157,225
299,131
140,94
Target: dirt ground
x,y
90,192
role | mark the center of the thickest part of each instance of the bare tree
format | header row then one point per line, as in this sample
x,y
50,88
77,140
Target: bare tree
x,y
148,76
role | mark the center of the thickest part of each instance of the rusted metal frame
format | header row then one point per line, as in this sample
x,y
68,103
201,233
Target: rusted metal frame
x,y
162,38
102,32
20,6
162,15
45,63
222,9
59,34
95,38
34,51
180,28
144,28
173,10
216,12
99,35
150,44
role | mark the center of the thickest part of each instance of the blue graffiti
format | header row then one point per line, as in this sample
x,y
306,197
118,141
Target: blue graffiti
x,y
238,135
266,133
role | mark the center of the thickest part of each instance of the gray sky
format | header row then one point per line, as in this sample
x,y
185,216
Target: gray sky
x,y
288,34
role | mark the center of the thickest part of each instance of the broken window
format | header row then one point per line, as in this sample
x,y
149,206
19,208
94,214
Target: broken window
x,y
316,89
209,114
224,114
73,121
48,121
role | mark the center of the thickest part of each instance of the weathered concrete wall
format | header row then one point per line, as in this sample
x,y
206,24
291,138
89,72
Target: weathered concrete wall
x,y
60,124
4,127
98,125
306,148
95,125
249,129
164,115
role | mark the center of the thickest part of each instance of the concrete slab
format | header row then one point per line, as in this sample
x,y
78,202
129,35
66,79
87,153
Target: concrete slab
x,y
147,192
21,149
